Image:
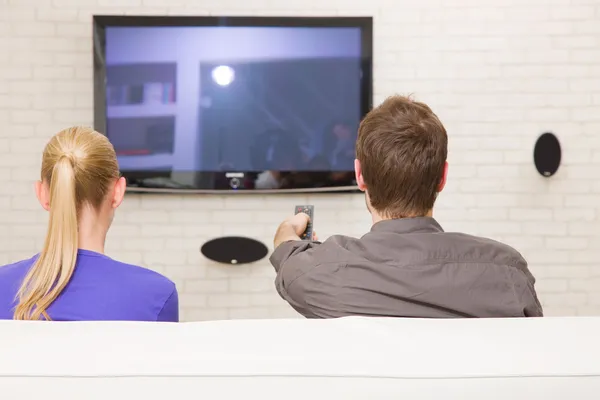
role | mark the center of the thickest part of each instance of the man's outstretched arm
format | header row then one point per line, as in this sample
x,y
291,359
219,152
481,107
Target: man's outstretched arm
x,y
293,258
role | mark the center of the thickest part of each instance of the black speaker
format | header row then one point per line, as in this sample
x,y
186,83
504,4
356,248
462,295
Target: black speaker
x,y
547,154
234,250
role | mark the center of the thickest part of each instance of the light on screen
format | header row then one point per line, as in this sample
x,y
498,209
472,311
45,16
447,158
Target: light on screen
x,y
223,75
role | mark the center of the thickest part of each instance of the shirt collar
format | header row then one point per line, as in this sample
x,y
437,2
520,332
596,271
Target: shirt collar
x,y
408,225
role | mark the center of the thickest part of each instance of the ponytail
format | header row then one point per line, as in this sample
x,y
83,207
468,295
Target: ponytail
x,y
54,267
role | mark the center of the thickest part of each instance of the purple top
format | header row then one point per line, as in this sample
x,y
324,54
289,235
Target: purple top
x,y
101,289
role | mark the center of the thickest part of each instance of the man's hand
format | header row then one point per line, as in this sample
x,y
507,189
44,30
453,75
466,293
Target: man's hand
x,y
299,222
291,229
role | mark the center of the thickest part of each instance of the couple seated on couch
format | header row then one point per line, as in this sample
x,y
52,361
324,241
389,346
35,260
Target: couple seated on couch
x,y
406,266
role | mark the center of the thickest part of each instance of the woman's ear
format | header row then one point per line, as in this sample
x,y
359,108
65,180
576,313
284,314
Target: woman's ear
x,y
42,194
118,192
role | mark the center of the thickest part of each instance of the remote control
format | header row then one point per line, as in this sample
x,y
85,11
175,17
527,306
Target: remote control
x,y
310,211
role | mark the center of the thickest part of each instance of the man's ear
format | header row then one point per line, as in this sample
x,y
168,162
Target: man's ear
x,y
43,195
360,180
118,192
444,177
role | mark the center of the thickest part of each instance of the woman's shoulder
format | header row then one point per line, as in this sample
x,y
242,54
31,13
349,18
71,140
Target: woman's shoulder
x,y
145,273
17,269
142,276
11,277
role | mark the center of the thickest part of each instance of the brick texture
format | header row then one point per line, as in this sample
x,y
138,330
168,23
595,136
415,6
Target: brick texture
x,y
498,72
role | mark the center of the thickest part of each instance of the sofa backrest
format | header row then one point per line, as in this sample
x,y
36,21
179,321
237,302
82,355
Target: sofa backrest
x,y
347,358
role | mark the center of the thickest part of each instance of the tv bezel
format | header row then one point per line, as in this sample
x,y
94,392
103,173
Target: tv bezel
x,y
101,22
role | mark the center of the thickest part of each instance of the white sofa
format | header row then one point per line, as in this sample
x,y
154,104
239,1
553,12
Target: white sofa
x,y
349,358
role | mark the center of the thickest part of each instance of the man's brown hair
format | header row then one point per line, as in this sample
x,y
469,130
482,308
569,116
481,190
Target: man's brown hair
x,y
402,147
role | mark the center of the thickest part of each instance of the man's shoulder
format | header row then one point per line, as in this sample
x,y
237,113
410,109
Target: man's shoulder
x,y
340,240
451,246
342,243
411,248
485,248
308,254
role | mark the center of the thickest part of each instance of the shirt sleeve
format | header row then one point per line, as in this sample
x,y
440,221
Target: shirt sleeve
x,y
170,310
524,282
531,305
293,249
292,261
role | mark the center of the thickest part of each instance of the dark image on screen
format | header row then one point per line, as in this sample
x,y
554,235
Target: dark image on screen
x,y
279,115
233,98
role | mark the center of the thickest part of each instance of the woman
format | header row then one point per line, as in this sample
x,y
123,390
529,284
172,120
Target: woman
x,y
71,279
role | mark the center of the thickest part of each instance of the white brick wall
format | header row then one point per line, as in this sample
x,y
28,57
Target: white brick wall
x,y
498,72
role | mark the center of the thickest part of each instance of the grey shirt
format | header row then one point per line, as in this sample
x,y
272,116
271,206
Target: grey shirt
x,y
405,268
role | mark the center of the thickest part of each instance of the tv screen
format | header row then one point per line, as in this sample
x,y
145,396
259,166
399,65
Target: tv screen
x,y
241,103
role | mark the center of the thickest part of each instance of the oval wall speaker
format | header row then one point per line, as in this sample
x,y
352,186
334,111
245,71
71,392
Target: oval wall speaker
x,y
547,154
234,250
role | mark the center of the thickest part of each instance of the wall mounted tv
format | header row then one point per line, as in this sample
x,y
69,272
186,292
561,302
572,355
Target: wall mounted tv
x,y
215,104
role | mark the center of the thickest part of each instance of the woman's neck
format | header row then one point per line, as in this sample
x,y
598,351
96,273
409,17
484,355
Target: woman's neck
x,y
92,231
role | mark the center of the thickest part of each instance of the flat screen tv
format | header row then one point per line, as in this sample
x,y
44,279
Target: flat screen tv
x,y
215,104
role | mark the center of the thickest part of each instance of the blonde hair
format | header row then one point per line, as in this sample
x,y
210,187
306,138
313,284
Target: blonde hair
x,y
79,165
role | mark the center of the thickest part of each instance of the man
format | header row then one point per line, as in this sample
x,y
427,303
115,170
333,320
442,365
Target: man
x,y
406,266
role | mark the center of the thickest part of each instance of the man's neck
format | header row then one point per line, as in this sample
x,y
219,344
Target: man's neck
x,y
376,217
